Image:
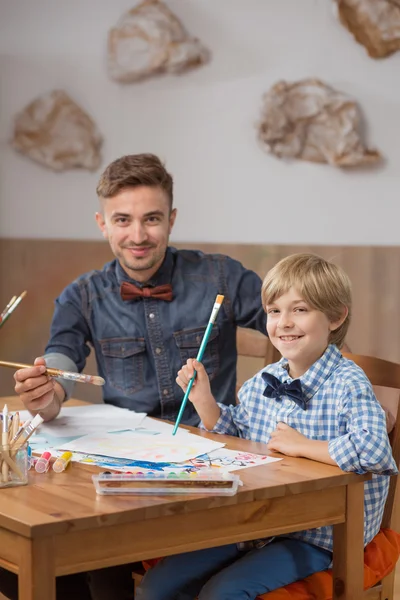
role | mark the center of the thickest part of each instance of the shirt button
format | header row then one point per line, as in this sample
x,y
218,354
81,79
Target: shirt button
x,y
158,350
151,315
165,392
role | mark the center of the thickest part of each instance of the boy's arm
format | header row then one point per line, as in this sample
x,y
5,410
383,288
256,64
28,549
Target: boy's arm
x,y
363,447
288,441
200,394
214,417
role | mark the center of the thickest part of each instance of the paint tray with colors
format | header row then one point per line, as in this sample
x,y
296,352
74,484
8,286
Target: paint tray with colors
x,y
201,482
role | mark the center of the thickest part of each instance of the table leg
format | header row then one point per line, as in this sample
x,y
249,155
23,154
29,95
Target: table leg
x,y
348,547
37,580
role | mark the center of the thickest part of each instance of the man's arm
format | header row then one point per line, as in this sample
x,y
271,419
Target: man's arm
x,y
67,350
68,346
243,302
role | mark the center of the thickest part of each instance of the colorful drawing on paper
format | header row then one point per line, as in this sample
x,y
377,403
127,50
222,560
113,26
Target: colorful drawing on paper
x,y
230,460
221,459
121,464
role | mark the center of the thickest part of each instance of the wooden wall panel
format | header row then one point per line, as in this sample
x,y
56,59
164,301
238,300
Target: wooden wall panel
x,y
45,267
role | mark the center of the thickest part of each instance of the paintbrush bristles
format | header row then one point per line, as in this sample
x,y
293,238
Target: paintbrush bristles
x,y
219,299
13,299
11,306
96,380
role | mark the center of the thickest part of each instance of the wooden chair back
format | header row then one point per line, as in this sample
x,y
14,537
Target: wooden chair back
x,y
384,373
254,344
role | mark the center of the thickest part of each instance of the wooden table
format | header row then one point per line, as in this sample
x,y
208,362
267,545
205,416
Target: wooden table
x,y
57,524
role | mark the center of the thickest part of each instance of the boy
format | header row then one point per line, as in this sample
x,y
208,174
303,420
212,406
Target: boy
x,y
312,403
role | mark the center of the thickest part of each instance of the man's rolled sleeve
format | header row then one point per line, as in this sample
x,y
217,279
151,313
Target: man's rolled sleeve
x,y
56,360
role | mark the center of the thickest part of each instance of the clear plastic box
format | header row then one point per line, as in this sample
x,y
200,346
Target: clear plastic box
x,y
199,482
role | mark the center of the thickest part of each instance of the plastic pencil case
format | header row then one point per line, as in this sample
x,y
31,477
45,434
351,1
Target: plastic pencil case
x,y
225,484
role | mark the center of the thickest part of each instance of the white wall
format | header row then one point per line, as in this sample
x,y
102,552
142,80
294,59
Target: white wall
x,y
203,124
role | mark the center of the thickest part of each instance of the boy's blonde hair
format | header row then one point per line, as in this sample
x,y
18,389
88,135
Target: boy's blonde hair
x,y
323,285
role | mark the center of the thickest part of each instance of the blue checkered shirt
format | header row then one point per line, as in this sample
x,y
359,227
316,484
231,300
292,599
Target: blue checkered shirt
x,y
341,409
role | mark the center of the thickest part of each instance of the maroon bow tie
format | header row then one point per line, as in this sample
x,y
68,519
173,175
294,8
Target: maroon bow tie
x,y
130,291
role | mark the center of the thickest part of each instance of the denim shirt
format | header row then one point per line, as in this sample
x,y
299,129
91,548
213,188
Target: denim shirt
x,y
141,344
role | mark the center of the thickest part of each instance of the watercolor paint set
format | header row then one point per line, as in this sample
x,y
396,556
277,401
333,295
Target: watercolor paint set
x,y
201,482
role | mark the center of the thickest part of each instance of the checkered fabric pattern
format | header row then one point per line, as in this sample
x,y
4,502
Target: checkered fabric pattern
x,y
341,409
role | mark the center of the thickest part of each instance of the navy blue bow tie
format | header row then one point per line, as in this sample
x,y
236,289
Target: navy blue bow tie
x,y
276,389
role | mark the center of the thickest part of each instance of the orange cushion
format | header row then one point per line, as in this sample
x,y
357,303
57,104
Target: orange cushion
x,y
380,557
151,562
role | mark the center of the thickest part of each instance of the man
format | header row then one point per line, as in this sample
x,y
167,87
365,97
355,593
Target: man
x,y
144,314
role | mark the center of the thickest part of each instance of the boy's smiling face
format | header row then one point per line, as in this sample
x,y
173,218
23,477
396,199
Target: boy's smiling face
x,y
299,331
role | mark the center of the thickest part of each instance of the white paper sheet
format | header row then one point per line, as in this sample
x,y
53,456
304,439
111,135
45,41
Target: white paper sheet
x,y
133,445
75,421
161,426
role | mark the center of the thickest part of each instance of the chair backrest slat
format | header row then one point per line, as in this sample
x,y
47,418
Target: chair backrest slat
x,y
385,374
256,345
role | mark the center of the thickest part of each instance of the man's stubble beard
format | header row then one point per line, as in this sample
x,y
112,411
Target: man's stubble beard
x,y
138,265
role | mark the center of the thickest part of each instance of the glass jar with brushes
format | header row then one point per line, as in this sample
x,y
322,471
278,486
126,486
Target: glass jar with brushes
x,y
14,461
